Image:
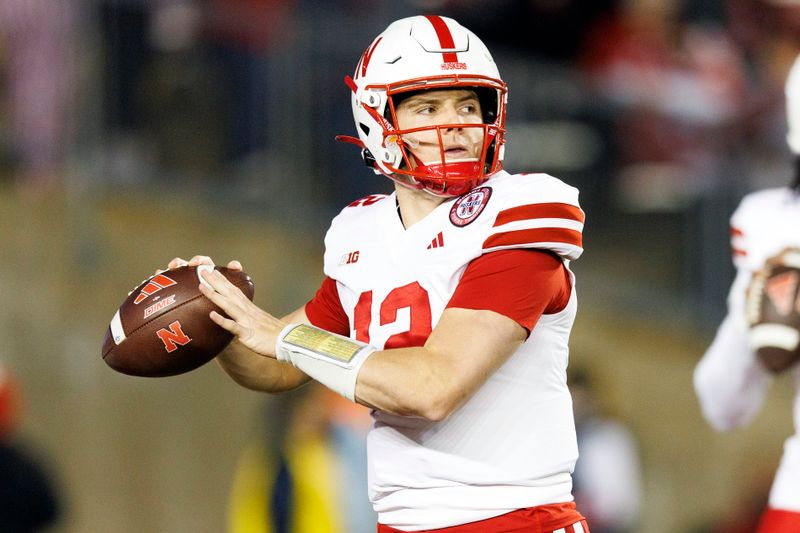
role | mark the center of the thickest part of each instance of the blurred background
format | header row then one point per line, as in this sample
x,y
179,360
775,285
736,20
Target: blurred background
x,y
134,131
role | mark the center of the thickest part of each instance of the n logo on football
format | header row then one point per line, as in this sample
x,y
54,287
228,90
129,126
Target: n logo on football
x,y
173,337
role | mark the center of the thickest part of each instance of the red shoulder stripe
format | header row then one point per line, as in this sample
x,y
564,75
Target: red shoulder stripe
x,y
737,234
531,236
550,210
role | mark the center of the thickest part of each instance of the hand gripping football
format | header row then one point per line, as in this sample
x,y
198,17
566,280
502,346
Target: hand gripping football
x,y
163,328
773,311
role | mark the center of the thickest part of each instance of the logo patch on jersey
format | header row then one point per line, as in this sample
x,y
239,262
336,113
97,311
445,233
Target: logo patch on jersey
x,y
470,206
350,258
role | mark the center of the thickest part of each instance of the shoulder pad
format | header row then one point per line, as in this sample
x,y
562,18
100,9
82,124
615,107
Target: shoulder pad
x,y
367,200
746,221
537,211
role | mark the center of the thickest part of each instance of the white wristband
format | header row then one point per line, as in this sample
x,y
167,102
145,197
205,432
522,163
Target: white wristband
x,y
331,359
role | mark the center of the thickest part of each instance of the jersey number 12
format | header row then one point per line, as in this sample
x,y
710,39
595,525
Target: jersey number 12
x,y
413,296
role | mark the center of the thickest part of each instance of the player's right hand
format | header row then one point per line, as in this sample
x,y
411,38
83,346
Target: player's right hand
x,y
197,260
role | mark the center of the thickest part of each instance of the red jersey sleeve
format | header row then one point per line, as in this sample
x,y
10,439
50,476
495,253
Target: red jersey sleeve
x,y
325,309
520,284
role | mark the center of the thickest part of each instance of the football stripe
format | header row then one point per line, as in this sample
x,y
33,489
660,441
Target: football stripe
x,y
534,236
549,210
776,335
117,333
200,270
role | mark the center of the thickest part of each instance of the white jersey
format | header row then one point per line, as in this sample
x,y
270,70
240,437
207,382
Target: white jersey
x,y
512,444
730,382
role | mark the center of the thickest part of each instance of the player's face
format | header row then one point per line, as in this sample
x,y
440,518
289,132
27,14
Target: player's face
x,y
440,107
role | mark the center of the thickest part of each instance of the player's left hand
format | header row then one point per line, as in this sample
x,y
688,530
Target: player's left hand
x,y
253,327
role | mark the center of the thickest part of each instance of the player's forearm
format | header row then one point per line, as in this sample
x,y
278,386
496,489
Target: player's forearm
x,y
730,383
466,347
410,382
256,372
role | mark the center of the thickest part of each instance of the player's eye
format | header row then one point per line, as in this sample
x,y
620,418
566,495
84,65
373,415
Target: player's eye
x,y
470,108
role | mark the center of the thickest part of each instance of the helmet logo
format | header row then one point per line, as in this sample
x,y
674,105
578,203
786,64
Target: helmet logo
x,y
470,206
454,66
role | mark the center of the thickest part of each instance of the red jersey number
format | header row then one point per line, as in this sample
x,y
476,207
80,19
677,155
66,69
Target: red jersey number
x,y
368,200
413,296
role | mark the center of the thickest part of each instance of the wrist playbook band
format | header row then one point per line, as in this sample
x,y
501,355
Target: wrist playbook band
x,y
331,359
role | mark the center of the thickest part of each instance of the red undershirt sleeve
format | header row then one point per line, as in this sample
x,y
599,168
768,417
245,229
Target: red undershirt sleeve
x,y
325,309
520,284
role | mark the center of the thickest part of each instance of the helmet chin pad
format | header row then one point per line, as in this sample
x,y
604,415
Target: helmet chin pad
x,y
451,179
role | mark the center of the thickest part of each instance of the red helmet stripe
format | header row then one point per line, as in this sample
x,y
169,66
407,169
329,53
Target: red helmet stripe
x,y
367,56
445,38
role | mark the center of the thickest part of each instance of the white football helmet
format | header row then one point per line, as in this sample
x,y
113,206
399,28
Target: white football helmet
x,y
793,107
422,53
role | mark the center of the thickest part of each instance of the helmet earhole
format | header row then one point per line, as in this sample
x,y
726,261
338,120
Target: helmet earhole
x,y
368,158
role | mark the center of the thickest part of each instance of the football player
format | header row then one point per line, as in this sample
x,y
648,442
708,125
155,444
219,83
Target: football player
x,y
731,380
447,305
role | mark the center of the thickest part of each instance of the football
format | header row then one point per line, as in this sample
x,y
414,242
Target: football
x,y
773,311
163,328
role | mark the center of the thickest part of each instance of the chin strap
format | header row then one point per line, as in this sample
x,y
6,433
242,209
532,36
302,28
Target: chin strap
x,y
350,140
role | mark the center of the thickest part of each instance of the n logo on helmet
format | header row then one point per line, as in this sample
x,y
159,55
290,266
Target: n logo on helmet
x,y
173,337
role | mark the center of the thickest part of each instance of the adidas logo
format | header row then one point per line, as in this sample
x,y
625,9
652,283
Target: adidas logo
x,y
437,241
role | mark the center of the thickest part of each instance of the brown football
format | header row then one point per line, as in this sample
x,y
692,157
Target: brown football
x,y
773,309
163,328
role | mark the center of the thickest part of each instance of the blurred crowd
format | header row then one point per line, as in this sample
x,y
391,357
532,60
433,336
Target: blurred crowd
x,y
665,107
678,94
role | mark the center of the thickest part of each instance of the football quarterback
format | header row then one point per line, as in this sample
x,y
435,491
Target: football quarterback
x,y
446,306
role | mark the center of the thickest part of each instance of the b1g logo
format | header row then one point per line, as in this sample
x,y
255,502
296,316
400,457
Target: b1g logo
x,y
470,206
